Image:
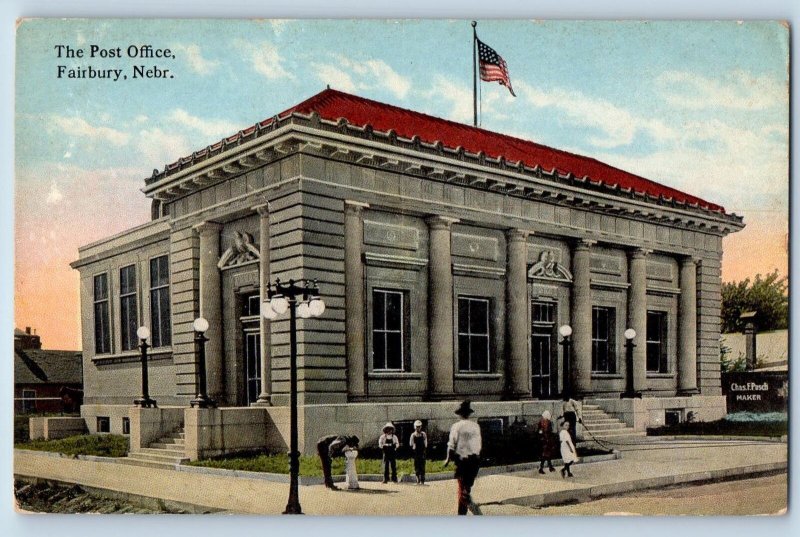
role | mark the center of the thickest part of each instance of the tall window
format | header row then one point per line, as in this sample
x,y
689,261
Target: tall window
x,y
603,340
388,327
128,317
160,321
657,342
473,334
102,335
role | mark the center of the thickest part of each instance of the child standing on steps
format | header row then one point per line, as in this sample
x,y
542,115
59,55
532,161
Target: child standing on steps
x,y
568,453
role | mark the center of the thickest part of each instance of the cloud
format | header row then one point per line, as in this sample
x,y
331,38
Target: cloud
x,y
737,90
618,125
351,75
54,195
195,59
211,129
459,98
335,77
157,147
279,25
77,126
264,58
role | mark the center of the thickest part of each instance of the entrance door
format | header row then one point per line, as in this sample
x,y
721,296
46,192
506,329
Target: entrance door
x,y
544,361
252,364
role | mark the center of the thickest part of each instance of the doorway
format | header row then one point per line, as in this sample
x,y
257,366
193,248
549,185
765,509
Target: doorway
x,y
544,359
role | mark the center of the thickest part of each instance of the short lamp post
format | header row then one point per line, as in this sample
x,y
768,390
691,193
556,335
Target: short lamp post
x,y
565,331
302,299
144,401
200,325
629,393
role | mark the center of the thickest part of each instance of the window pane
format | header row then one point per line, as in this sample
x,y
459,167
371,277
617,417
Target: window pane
x,y
127,280
463,315
478,317
378,310
463,353
101,287
394,315
653,352
379,350
479,349
165,325
394,351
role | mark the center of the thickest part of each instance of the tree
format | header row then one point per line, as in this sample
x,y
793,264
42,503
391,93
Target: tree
x,y
767,296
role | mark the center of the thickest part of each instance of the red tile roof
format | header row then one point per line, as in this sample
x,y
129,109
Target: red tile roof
x,y
335,105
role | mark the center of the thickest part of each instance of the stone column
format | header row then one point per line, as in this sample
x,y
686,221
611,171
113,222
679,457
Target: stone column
x,y
211,307
687,328
518,363
581,318
264,325
440,309
354,304
637,316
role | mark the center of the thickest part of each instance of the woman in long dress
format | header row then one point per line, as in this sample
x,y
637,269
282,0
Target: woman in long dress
x,y
568,453
546,441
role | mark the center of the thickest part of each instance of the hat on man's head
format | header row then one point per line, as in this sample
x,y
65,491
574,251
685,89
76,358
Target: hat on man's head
x,y
388,427
352,441
464,410
417,423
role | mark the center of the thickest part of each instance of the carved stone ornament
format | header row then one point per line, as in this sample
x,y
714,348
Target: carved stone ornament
x,y
548,269
241,251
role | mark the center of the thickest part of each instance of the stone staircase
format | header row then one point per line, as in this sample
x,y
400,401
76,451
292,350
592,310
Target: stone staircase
x,y
605,428
167,452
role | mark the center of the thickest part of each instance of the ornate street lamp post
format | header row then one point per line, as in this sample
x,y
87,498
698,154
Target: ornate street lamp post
x,y
200,325
630,333
302,299
565,331
144,401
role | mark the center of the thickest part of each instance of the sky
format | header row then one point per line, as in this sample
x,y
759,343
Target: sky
x,y
699,106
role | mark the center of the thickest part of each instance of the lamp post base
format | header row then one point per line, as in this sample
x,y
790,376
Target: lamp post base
x,y
145,402
203,401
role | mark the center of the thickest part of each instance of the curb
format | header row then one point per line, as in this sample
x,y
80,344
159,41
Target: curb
x,y
673,437
596,492
439,476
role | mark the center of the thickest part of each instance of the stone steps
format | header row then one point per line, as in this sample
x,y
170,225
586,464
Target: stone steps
x,y
601,426
168,452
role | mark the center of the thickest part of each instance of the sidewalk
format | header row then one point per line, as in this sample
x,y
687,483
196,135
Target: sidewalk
x,y
650,463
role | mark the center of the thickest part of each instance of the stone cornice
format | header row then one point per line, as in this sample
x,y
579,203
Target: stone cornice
x,y
345,143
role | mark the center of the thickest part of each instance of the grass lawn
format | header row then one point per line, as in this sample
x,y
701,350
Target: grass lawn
x,y
310,466
106,445
726,427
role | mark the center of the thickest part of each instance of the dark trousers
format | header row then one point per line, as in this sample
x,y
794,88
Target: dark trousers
x,y
325,459
466,472
419,467
389,461
572,419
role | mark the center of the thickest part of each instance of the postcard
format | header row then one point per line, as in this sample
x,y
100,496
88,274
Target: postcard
x,y
401,267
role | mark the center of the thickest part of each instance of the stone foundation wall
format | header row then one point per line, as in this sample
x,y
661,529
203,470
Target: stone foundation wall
x,y
650,411
56,427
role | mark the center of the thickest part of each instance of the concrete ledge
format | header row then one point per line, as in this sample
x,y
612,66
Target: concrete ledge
x,y
56,427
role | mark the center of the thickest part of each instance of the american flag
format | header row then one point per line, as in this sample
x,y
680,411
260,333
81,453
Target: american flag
x,y
493,66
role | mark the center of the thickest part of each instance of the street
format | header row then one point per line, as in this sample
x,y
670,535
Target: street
x,y
766,495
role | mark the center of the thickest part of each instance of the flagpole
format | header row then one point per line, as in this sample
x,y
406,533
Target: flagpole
x,y
474,73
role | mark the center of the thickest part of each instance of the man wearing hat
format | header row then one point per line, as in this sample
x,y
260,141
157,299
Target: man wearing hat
x,y
332,446
419,443
388,444
464,448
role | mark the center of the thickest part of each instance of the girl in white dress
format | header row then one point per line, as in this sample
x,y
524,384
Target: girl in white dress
x,y
351,476
568,453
